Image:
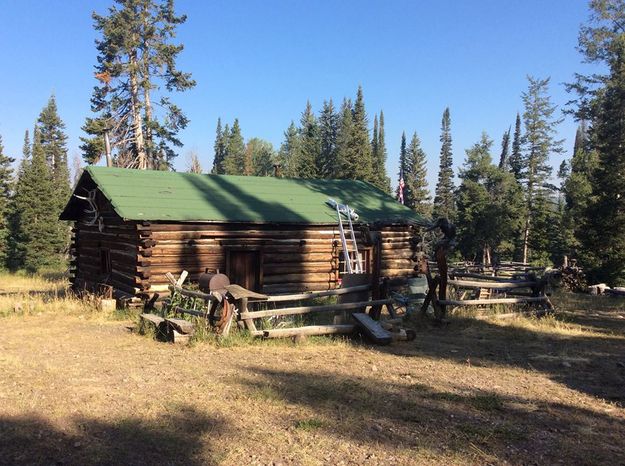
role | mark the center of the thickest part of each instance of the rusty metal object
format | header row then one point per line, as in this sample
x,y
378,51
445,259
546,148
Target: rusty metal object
x,y
213,282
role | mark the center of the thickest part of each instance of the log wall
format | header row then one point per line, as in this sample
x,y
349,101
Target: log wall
x,y
294,257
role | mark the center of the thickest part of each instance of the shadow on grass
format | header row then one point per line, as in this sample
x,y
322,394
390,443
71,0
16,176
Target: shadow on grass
x,y
583,349
173,439
480,426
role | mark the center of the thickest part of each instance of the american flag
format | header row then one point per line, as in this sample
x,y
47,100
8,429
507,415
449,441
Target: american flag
x,y
400,191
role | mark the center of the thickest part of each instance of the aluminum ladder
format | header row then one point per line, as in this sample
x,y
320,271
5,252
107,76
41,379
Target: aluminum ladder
x,y
352,264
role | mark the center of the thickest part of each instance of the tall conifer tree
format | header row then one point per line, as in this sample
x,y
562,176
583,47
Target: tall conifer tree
x,y
444,194
289,151
6,179
378,152
235,162
363,163
310,153
328,133
346,149
415,177
220,149
489,205
35,213
504,157
539,141
516,157
53,143
403,168
136,70
602,102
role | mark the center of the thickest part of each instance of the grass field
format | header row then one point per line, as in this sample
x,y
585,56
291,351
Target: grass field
x,y
81,387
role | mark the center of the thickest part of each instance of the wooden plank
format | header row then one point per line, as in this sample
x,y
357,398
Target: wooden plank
x,y
239,292
307,331
309,309
181,325
153,318
319,294
191,312
481,302
372,329
498,285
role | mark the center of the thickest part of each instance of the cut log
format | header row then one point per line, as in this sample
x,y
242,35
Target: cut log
x,y
319,294
499,285
372,329
309,309
307,331
181,325
481,302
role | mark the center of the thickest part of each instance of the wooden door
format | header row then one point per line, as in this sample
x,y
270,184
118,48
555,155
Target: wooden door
x,y
244,268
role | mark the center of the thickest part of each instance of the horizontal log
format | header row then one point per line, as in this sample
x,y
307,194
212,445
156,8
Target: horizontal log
x,y
311,309
493,285
307,331
314,267
281,234
299,256
215,226
479,276
480,302
294,287
301,277
191,312
319,294
192,293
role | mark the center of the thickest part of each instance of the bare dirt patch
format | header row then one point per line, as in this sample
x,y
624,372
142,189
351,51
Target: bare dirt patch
x,y
81,389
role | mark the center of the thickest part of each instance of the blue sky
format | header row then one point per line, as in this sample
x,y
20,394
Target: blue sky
x,y
261,60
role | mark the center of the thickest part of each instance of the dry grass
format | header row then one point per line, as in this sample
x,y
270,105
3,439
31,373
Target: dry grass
x,y
22,295
89,391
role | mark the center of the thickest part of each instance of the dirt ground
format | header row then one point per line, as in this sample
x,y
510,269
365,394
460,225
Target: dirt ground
x,y
81,389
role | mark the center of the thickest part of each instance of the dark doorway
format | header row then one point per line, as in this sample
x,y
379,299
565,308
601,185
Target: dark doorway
x,y
244,268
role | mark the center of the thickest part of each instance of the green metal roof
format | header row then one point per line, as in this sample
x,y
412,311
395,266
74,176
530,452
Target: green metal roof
x,y
171,196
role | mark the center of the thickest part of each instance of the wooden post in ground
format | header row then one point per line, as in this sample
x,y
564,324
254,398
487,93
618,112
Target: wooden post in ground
x,y
249,322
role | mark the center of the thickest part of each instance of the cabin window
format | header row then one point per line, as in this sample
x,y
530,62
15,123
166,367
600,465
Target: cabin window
x,y
365,260
105,261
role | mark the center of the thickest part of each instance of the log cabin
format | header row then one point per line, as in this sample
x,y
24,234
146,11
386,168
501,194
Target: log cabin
x,y
268,234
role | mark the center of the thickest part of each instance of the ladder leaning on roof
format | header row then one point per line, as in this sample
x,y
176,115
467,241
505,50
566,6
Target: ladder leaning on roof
x,y
353,264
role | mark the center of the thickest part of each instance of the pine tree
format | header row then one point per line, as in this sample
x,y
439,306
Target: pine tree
x,y
444,194
6,179
346,149
261,156
193,163
220,149
290,151
35,213
602,102
363,166
577,190
378,153
489,206
374,138
504,157
136,70
415,177
403,168
328,132
310,152
234,158
53,142
539,141
516,157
